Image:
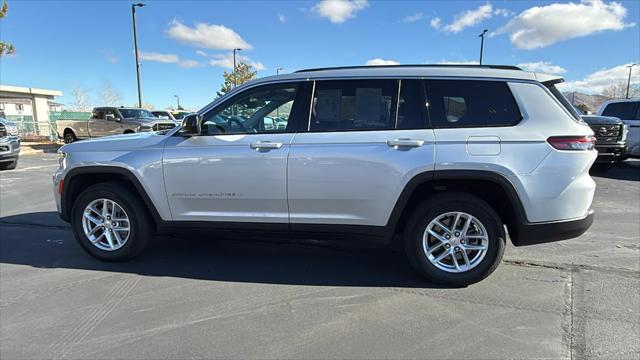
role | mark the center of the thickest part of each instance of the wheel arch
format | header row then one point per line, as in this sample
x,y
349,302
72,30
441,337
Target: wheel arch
x,y
493,188
80,178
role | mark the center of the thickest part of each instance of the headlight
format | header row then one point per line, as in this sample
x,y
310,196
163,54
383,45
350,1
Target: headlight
x,y
12,130
61,157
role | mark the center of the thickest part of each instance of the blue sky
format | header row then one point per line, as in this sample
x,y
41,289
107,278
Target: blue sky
x,y
81,44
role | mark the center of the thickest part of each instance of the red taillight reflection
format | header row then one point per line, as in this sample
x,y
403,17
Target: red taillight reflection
x,y
60,186
572,142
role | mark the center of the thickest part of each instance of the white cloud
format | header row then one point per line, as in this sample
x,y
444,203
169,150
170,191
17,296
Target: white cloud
x,y
542,67
503,12
378,61
542,26
600,80
111,58
435,23
469,18
189,64
460,62
168,59
226,60
154,56
338,11
209,36
282,18
413,18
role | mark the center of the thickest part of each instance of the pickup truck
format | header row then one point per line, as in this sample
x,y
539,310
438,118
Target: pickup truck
x,y
107,121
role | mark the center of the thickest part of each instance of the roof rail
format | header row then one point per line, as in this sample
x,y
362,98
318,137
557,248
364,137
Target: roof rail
x,y
502,67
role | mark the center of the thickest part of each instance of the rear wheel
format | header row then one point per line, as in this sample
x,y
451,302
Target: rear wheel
x,y
454,239
69,137
111,222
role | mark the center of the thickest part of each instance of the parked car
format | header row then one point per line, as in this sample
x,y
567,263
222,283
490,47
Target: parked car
x,y
611,140
442,158
9,144
180,114
627,110
106,121
163,114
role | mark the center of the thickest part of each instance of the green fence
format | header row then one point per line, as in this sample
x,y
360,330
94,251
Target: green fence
x,y
44,130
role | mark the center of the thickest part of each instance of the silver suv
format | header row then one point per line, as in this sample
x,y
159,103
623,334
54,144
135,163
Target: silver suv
x,y
445,159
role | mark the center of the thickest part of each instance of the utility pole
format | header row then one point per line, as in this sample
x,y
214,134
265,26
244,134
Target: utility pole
x,y
629,79
235,77
135,46
481,36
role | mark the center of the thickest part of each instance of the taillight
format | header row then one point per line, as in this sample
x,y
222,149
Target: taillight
x,y
60,186
572,142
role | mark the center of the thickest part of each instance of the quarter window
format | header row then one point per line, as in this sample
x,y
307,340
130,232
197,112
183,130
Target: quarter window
x,y
344,105
470,103
265,109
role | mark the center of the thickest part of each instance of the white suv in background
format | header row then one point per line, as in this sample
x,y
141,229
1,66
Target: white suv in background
x,y
627,110
445,159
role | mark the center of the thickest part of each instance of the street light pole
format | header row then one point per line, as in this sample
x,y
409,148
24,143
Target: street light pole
x,y
135,46
629,79
278,70
178,100
481,36
235,78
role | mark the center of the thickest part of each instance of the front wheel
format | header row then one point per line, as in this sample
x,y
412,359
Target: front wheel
x,y
111,222
454,239
10,165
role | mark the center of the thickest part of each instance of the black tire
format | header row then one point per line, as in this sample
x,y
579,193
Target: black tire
x,y
9,165
449,202
141,225
602,167
69,137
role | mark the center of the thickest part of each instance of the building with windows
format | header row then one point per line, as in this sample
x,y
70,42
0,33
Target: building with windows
x,y
30,108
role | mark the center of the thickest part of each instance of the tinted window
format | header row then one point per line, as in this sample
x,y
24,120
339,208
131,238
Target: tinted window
x,y
263,109
136,113
353,105
98,114
622,110
411,105
471,103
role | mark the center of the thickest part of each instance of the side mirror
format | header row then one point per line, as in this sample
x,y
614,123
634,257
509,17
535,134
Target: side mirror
x,y
191,125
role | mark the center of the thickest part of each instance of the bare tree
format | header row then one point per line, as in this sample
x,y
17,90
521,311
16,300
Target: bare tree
x,y
82,100
619,90
109,95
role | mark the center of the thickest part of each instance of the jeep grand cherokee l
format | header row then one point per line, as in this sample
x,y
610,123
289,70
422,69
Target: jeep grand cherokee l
x,y
446,159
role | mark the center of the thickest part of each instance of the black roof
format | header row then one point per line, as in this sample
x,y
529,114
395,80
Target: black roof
x,y
502,67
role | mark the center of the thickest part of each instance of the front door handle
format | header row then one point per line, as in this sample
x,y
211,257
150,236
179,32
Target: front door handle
x,y
405,143
265,145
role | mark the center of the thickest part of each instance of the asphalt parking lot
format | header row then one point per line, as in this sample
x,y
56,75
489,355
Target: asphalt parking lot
x,y
202,298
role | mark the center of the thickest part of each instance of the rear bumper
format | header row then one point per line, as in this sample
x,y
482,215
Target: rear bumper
x,y
539,233
611,153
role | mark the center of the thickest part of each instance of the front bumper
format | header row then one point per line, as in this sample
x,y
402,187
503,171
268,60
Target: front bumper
x,y
610,153
539,233
9,148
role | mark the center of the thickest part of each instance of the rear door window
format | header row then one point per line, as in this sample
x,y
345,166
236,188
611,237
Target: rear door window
x,y
623,110
347,105
470,103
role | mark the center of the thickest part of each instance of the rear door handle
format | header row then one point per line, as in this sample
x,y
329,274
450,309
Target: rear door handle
x,y
265,145
405,143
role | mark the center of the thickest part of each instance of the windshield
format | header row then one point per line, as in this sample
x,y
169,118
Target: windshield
x,y
135,113
565,102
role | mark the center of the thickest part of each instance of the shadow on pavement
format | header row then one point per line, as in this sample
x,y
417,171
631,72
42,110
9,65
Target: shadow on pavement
x,y
53,246
626,170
